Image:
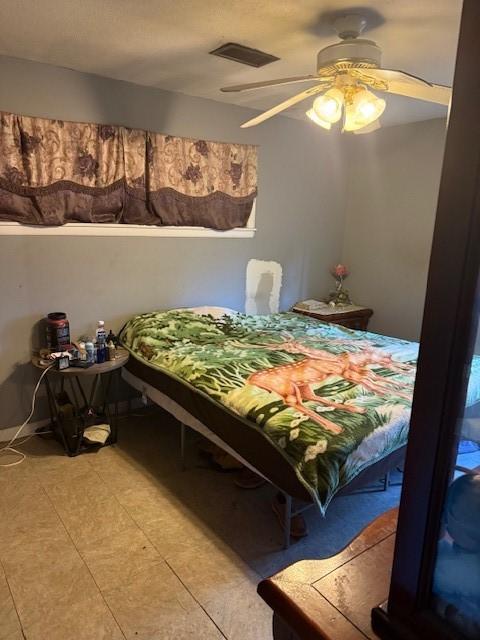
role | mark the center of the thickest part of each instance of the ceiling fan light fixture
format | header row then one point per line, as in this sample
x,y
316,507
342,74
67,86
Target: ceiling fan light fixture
x,y
328,107
314,118
346,69
363,109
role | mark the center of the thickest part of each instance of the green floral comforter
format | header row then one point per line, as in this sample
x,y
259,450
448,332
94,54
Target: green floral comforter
x,y
332,400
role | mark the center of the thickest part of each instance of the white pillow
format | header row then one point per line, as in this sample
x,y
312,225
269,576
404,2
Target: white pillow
x,y
216,312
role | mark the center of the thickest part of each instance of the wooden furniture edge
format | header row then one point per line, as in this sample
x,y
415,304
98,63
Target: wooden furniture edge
x,y
284,591
364,312
121,359
302,625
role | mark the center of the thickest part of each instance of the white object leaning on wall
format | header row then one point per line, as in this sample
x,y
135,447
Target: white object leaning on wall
x,y
263,283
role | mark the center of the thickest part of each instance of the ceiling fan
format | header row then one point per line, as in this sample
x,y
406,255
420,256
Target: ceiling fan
x,y
346,71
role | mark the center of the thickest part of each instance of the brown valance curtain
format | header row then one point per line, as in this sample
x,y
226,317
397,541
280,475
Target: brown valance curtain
x,y
53,172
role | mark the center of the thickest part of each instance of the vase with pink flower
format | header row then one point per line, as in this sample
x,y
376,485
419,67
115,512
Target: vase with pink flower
x,y
340,297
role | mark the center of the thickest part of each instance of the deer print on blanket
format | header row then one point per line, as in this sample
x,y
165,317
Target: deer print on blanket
x,y
293,382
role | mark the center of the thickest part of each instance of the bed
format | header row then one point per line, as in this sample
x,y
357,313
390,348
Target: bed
x,y
317,409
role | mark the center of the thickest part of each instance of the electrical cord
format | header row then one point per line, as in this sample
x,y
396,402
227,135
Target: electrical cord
x,y
8,447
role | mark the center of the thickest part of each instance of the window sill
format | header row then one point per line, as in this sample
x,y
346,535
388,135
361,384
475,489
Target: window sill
x,y
115,230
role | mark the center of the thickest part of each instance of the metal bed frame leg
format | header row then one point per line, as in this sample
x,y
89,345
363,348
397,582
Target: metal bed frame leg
x,y
386,481
288,520
182,445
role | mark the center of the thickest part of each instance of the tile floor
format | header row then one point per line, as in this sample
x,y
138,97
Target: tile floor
x,y
123,544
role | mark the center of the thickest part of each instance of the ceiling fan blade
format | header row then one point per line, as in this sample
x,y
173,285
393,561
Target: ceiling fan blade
x,y
284,105
404,84
270,83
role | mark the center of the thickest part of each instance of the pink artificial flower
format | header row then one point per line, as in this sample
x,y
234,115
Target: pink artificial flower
x,y
340,271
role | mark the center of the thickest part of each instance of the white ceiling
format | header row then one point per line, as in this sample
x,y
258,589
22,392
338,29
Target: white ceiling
x,y
165,43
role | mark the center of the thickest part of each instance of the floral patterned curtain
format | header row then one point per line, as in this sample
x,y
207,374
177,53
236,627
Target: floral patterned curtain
x,y
53,172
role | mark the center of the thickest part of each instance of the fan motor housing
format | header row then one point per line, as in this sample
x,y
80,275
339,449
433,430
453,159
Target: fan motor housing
x,y
352,53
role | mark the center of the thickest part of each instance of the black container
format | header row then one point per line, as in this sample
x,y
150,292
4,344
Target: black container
x,y
58,331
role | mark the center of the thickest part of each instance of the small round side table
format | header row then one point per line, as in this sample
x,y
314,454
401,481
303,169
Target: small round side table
x,y
102,374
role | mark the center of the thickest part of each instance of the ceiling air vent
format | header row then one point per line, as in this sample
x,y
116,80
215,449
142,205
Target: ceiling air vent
x,y
244,55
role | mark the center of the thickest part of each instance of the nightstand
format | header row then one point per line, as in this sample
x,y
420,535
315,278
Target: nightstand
x,y
100,376
351,316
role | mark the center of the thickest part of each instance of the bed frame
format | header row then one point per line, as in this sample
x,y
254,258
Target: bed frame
x,y
249,446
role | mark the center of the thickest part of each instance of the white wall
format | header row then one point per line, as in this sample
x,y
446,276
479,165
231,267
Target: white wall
x,y
300,220
392,189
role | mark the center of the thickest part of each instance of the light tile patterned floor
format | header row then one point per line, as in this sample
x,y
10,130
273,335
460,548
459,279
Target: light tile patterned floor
x,y
122,544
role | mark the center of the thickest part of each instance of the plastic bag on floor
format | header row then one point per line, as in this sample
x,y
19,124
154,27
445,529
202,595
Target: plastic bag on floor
x,y
97,433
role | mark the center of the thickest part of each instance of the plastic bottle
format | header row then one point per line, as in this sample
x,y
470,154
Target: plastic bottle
x,y
90,349
100,350
82,352
112,351
101,342
101,333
